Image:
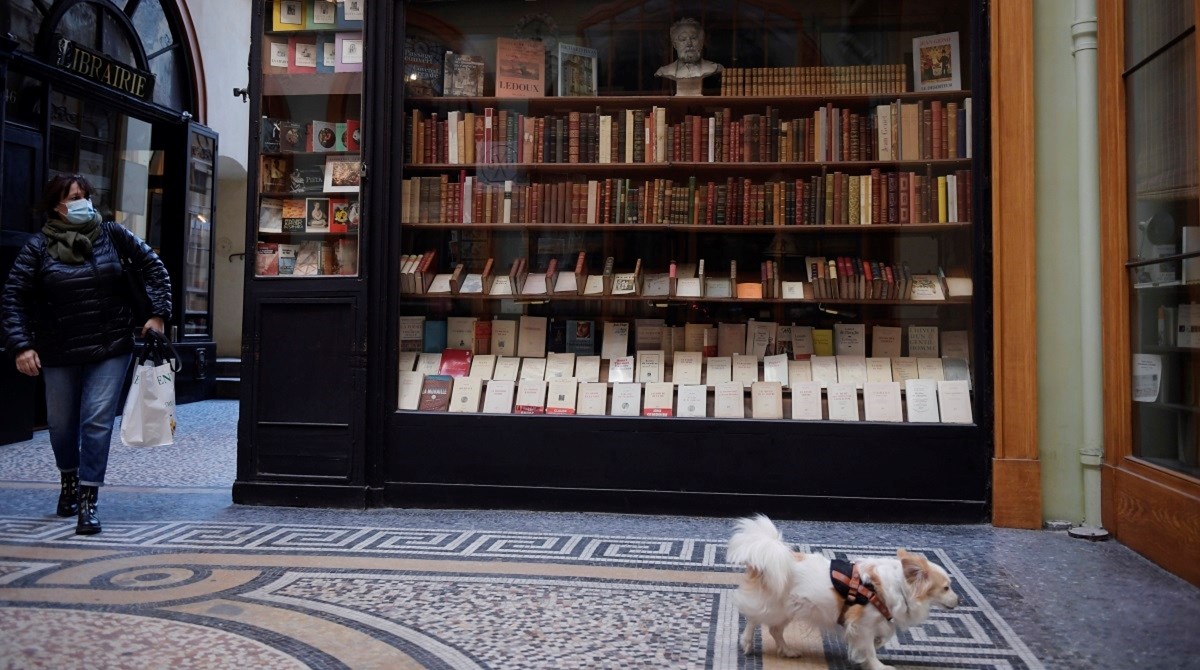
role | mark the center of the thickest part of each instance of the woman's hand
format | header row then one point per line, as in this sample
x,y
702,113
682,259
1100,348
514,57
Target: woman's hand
x,y
154,323
28,363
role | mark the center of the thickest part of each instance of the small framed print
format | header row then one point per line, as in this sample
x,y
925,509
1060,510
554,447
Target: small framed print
x,y
324,14
349,52
342,175
354,10
306,54
291,12
352,51
279,54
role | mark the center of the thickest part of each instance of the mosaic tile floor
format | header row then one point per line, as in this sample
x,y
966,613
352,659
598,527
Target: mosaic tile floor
x,y
283,595
182,578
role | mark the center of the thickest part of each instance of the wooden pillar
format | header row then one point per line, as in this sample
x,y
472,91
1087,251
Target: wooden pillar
x,y
1016,470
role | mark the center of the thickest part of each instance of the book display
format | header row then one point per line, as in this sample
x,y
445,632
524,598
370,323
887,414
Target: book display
x,y
310,134
629,255
799,200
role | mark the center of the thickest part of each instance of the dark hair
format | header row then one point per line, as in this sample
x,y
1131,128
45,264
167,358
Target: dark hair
x,y
57,189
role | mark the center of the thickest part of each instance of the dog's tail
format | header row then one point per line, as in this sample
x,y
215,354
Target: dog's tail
x,y
759,546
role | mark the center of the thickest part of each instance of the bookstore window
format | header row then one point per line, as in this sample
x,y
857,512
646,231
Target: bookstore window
x,y
1164,233
690,210
309,139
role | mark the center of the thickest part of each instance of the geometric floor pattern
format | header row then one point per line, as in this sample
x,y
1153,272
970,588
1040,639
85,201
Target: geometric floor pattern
x,y
209,594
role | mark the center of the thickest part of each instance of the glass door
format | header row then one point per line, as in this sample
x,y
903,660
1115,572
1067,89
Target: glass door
x,y
197,249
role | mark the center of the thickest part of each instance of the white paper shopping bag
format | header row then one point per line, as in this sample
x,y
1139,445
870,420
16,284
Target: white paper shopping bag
x,y
149,416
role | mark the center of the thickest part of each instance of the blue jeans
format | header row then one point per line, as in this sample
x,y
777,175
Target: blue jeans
x,y
81,405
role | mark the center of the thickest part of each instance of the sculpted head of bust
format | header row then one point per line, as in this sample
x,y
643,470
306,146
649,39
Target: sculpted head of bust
x,y
687,38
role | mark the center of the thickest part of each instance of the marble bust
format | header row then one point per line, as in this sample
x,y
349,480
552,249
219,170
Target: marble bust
x,y
689,69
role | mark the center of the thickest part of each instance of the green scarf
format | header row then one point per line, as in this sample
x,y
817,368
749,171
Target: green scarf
x,y
71,243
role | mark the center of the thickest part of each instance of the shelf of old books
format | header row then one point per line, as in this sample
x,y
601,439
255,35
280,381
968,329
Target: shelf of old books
x,y
310,135
790,241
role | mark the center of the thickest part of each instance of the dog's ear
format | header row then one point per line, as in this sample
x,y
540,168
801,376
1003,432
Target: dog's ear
x,y
915,567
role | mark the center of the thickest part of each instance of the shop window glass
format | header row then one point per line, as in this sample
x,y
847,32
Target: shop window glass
x,y
152,26
619,250
116,41
1149,24
168,80
1164,223
23,99
112,150
78,24
25,18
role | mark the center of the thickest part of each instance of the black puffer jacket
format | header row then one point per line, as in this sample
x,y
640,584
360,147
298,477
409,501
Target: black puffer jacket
x,y
75,314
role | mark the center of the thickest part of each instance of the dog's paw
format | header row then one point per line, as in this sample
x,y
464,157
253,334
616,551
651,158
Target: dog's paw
x,y
788,652
748,649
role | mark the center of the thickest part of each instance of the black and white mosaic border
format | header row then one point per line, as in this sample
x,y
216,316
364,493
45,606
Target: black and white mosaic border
x,y
973,635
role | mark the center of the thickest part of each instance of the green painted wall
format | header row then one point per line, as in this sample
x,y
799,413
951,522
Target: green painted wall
x,y
1060,418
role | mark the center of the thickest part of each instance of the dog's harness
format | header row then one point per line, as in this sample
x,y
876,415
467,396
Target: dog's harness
x,y
849,585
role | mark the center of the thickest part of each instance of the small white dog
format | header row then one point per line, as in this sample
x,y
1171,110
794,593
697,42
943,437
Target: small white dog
x,y
870,600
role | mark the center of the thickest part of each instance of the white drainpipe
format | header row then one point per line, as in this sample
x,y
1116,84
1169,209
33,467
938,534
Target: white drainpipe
x,y
1091,453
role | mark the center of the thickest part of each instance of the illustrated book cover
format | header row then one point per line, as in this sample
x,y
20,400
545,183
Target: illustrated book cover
x,y
936,63
520,68
577,70
463,75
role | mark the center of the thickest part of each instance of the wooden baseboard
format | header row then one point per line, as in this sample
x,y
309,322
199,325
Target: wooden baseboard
x,y
1159,521
1017,493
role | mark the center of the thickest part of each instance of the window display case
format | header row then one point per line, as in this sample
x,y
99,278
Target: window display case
x,y
651,255
310,133
756,221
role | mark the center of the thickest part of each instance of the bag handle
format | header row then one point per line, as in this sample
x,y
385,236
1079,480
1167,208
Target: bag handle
x,y
158,349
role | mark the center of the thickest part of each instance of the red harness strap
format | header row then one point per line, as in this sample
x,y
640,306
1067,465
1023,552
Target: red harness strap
x,y
853,591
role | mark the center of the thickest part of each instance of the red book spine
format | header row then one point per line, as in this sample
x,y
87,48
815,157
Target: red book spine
x,y
877,196
459,195
478,138
846,134
573,137
936,129
903,201
745,215
698,127
535,205
427,138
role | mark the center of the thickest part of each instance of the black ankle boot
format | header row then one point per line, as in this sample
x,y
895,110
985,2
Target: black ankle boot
x,y
68,495
88,523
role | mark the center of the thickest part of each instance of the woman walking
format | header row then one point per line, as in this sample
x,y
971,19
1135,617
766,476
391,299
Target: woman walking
x,y
68,315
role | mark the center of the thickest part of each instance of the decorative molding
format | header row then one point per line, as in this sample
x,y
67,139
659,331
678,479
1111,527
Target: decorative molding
x,y
195,62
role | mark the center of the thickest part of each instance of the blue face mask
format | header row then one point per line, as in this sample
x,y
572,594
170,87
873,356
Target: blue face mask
x,y
80,211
